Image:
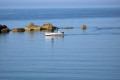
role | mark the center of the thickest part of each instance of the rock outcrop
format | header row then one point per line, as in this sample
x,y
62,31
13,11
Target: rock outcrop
x,y
32,27
83,27
47,27
55,28
18,30
4,29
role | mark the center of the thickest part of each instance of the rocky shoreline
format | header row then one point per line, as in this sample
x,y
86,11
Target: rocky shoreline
x,y
31,27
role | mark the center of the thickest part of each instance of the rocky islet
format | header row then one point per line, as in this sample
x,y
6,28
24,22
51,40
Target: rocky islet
x,y
32,27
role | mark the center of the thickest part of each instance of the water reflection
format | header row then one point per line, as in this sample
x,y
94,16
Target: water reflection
x,y
33,34
53,40
3,36
53,37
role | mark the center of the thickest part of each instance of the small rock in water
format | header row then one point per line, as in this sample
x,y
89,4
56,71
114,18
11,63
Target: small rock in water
x,y
32,27
18,30
4,29
84,27
55,28
47,27
67,28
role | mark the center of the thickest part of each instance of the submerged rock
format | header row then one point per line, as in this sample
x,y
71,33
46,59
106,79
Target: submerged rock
x,y
18,30
32,27
47,27
83,27
67,28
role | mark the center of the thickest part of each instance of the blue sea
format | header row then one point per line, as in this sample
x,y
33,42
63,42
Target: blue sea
x,y
92,54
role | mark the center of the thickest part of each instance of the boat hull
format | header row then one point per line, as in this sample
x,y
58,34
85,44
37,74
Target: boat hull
x,y
54,34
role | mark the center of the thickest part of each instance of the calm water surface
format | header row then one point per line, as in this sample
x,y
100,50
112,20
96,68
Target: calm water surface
x,y
93,54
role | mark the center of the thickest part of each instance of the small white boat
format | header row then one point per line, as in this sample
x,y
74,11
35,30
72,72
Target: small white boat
x,y
55,34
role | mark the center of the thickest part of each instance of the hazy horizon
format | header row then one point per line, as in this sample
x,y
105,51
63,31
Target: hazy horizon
x,y
59,4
